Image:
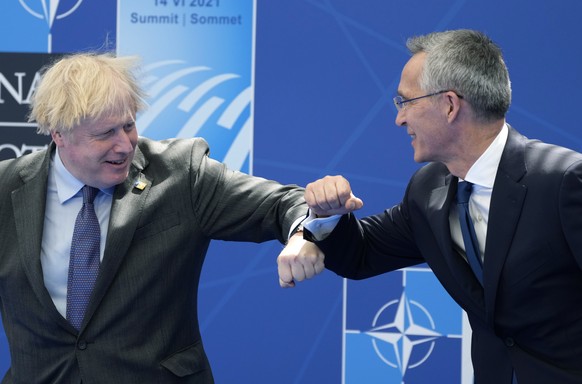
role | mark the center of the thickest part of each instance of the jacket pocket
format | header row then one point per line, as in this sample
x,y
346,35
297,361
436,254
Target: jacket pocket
x,y
188,361
160,224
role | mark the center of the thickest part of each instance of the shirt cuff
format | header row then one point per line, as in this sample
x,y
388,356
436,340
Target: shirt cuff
x,y
320,228
297,226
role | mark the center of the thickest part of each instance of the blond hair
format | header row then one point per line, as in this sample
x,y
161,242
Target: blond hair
x,y
85,86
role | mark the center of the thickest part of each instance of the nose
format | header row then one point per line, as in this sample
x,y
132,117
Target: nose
x,y
125,141
400,118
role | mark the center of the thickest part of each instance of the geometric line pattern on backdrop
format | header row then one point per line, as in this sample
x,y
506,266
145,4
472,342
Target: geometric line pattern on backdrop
x,y
193,99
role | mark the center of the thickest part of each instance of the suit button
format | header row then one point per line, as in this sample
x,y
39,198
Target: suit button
x,y
509,342
82,345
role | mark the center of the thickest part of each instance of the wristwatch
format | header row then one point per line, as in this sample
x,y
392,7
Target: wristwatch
x,y
297,229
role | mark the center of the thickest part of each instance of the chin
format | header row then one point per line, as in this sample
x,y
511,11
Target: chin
x,y
421,159
112,182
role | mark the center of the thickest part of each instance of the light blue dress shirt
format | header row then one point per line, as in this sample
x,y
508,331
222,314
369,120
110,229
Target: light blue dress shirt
x,y
63,202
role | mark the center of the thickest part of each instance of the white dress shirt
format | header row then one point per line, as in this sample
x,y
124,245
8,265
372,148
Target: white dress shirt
x,y
482,174
63,202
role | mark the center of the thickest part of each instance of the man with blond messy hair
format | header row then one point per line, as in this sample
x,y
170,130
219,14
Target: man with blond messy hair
x,y
111,296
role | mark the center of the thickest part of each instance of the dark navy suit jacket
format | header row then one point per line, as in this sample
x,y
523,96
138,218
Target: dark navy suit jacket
x,y
528,316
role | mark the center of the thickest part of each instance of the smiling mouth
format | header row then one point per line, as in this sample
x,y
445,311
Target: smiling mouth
x,y
116,162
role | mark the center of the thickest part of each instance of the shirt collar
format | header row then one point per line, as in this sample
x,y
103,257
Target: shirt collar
x,y
484,170
67,184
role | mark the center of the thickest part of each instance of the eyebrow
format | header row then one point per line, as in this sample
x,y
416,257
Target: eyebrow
x,y
400,93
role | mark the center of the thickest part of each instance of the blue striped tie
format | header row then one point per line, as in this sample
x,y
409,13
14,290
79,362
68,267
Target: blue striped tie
x,y
84,262
464,189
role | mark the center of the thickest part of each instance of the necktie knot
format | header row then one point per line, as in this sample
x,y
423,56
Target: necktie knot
x,y
89,194
464,189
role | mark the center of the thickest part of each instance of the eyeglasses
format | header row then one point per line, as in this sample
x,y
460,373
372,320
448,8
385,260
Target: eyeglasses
x,y
400,102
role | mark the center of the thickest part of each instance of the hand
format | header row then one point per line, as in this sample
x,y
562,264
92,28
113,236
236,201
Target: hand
x,y
299,260
331,195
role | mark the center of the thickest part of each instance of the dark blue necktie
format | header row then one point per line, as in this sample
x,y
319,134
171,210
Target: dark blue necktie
x,y
84,262
464,189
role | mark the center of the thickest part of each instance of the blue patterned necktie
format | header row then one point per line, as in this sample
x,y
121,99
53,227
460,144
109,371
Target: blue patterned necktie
x,y
464,189
84,262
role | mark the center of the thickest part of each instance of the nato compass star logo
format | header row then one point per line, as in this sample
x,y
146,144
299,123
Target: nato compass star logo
x,y
405,332
50,13
402,333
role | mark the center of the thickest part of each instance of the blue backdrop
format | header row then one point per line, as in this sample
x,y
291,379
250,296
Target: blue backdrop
x,y
325,74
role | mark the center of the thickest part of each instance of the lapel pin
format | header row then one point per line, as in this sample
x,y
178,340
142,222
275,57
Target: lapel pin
x,y
140,184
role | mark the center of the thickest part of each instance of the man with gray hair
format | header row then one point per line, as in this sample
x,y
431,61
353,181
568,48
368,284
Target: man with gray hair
x,y
497,216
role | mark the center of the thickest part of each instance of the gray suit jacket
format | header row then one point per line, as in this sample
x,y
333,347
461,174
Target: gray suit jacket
x,y
141,325
528,316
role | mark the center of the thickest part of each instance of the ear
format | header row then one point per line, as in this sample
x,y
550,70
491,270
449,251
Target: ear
x,y
453,102
57,138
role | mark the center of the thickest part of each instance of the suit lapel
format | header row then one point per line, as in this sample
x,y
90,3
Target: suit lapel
x,y
29,203
438,209
437,212
504,212
126,207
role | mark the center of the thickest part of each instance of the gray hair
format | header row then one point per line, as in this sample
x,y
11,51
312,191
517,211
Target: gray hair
x,y
85,86
469,63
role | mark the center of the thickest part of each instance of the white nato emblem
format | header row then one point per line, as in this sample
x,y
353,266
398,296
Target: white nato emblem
x,y
403,333
49,10
49,13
